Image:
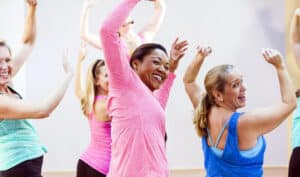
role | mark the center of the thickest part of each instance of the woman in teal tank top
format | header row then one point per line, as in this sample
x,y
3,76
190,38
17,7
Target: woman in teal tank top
x,y
232,142
21,152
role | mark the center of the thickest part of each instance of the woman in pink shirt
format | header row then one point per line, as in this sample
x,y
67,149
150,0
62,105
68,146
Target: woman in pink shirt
x,y
95,160
136,109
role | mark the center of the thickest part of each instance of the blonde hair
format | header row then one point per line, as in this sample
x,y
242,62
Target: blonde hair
x,y
215,79
87,102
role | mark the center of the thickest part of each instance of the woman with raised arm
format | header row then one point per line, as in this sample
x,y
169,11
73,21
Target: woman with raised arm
x,y
96,159
20,147
295,43
137,111
295,157
131,38
232,142
295,36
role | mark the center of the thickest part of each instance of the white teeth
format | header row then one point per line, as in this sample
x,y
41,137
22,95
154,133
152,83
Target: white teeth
x,y
157,77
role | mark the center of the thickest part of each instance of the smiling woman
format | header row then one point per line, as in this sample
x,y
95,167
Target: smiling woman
x,y
20,147
138,116
233,142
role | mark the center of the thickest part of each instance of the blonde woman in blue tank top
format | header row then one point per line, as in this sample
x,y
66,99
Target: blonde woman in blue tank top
x,y
232,142
21,152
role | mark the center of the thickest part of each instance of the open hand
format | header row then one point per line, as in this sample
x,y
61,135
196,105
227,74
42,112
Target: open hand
x,y
177,52
273,57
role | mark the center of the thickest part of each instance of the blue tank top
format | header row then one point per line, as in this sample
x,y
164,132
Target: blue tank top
x,y
232,163
18,142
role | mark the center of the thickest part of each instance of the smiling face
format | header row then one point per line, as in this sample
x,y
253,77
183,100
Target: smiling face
x,y
234,94
152,68
224,87
5,66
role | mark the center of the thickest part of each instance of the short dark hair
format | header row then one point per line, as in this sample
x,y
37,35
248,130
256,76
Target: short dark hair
x,y
145,49
3,44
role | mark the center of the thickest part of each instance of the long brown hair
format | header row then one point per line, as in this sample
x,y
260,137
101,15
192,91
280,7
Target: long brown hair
x,y
215,79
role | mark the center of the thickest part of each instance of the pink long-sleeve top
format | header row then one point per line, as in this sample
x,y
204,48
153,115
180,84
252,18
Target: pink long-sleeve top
x,y
138,116
98,153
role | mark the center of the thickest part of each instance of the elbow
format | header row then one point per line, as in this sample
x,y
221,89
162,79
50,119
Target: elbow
x,y
43,114
28,40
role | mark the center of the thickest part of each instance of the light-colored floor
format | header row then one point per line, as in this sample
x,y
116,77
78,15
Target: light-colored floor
x,y
268,172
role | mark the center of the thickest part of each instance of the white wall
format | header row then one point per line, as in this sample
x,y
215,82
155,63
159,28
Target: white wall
x,y
237,30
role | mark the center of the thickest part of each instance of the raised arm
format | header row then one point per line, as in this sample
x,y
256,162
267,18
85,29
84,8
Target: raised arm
x,y
78,83
115,53
189,79
295,35
149,31
262,121
11,108
28,40
177,51
91,39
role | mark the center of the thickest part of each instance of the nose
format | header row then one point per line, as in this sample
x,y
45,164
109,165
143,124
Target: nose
x,y
243,87
3,65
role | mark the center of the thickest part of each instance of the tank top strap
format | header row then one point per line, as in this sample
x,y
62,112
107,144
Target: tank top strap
x,y
13,91
100,97
232,125
232,137
219,135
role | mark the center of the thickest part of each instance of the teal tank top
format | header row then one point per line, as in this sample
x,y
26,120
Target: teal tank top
x,y
19,142
296,126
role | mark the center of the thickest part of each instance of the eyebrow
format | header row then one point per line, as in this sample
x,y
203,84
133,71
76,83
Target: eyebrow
x,y
235,80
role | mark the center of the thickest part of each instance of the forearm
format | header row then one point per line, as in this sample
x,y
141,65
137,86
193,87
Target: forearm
x,y
78,87
117,17
29,34
52,101
155,22
286,88
84,29
193,69
295,29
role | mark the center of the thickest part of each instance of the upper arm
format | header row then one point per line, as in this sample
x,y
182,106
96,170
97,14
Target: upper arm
x,y
12,108
19,59
194,93
264,120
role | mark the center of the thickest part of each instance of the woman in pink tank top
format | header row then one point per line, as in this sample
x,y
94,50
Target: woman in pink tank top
x,y
96,159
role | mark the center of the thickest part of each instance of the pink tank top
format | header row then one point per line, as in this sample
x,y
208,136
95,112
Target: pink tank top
x,y
98,153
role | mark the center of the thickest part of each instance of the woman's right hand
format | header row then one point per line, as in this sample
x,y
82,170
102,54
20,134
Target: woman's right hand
x,y
32,2
273,57
203,52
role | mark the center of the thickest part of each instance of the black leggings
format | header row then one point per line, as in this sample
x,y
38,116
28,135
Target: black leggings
x,y
29,168
84,170
294,167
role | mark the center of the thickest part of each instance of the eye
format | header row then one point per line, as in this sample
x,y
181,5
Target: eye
x,y
236,84
166,67
156,62
7,60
